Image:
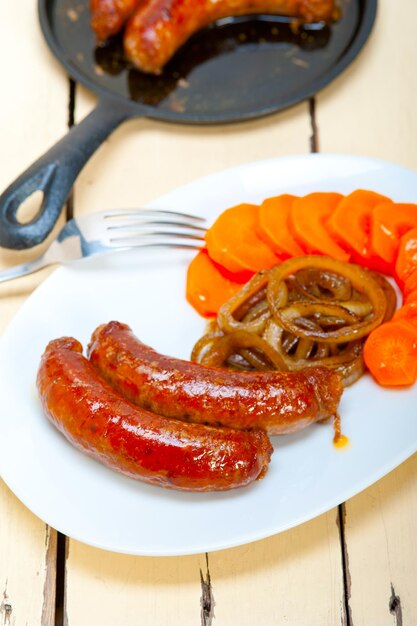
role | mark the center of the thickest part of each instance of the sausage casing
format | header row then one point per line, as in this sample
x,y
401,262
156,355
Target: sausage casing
x,y
109,16
135,442
159,27
278,402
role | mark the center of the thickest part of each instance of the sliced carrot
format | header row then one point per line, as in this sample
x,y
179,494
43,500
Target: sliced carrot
x,y
373,263
236,277
407,312
308,224
410,284
390,221
233,243
350,223
411,297
273,226
390,354
407,255
207,289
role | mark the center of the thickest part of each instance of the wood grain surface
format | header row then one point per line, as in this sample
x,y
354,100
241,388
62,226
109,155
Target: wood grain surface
x,y
357,564
33,115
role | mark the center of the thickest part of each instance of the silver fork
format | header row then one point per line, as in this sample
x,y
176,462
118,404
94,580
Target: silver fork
x,y
107,231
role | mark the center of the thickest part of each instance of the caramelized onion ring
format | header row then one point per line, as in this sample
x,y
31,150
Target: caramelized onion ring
x,y
204,344
349,363
360,280
390,295
314,283
295,318
231,313
217,354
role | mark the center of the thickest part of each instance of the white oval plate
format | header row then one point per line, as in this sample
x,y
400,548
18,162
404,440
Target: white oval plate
x,y
307,476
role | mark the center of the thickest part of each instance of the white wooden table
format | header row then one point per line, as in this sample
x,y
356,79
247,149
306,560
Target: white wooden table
x,y
355,565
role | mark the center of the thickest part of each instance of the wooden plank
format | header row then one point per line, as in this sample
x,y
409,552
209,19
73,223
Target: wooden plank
x,y
141,161
33,114
292,578
381,546
372,111
27,565
105,588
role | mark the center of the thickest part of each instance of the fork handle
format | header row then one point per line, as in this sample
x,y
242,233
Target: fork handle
x,y
23,270
54,174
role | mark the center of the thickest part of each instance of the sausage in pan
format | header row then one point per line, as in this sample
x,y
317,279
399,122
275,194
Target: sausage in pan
x,y
109,16
159,27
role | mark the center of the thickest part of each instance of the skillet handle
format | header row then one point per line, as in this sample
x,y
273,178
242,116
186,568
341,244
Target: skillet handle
x,y
54,174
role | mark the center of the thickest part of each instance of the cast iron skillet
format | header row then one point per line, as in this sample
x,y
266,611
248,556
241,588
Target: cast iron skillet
x,y
234,71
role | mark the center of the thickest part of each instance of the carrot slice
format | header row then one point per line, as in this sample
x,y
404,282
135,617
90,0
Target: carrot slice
x,y
407,255
273,226
390,353
407,312
233,243
374,263
390,221
411,297
410,284
350,223
207,289
308,223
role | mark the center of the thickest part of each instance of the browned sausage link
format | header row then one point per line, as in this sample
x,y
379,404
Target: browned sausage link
x,y
159,27
109,16
138,443
278,402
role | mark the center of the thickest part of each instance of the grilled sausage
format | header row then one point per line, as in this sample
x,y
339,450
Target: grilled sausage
x,y
140,444
159,27
109,16
278,402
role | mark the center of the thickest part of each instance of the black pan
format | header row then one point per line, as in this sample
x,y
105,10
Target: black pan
x,y
236,70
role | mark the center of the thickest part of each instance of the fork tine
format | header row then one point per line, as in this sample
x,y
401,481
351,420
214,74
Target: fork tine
x,y
132,213
137,237
160,244
152,223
